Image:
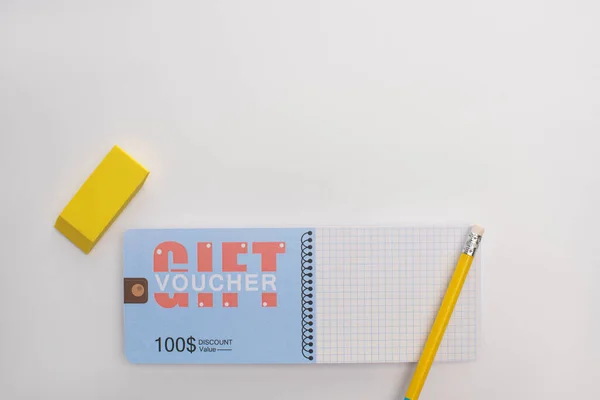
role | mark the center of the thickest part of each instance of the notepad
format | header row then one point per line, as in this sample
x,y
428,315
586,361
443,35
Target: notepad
x,y
294,295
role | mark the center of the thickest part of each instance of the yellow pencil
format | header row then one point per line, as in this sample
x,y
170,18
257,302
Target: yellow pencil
x,y
444,314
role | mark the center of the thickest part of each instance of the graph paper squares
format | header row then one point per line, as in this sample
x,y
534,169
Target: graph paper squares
x,y
378,291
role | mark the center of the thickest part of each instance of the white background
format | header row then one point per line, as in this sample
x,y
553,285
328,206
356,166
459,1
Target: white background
x,y
266,113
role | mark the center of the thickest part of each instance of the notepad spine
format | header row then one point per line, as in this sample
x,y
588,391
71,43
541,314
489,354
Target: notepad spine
x,y
307,268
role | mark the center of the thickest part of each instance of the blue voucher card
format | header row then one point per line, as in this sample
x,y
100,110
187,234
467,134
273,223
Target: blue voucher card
x,y
212,296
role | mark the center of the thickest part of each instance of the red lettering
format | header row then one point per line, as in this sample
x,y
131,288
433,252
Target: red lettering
x,y
269,299
205,300
161,255
230,256
165,300
268,252
230,300
205,257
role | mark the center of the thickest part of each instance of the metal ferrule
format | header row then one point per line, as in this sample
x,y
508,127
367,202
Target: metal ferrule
x,y
472,244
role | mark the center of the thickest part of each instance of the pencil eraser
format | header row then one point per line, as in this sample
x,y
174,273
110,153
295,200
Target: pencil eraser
x,y
478,230
101,198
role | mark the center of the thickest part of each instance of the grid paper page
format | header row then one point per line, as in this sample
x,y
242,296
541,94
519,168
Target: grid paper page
x,y
378,291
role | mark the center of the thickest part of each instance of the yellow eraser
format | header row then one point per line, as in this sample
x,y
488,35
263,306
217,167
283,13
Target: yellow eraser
x,y
101,199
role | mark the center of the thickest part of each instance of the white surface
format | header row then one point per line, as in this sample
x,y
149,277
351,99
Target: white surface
x,y
314,112
378,291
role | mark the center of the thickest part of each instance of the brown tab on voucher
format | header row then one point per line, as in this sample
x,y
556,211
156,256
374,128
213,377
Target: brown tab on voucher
x,y
136,290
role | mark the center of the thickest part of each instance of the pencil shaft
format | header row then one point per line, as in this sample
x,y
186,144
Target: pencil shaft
x,y
439,327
